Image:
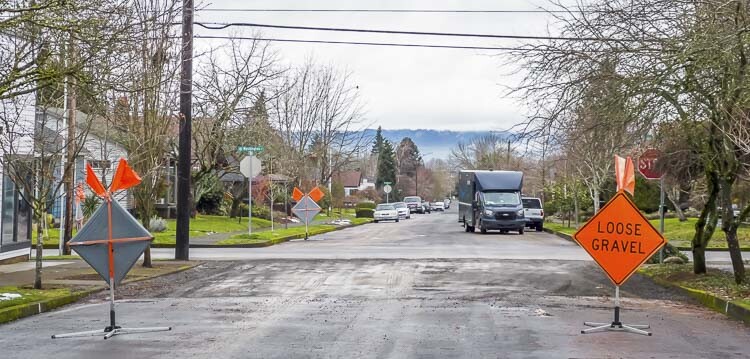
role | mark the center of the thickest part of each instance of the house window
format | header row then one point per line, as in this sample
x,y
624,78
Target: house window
x,y
100,164
15,217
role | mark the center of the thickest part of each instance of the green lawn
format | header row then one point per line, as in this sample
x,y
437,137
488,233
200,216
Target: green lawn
x,y
199,226
678,233
281,234
30,295
284,234
717,282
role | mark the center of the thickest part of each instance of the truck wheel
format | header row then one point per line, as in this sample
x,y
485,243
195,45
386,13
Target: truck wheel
x,y
539,227
482,228
375,221
471,229
520,230
396,220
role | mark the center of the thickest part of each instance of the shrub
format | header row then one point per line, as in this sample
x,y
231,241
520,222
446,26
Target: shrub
x,y
366,205
157,224
365,213
89,205
260,212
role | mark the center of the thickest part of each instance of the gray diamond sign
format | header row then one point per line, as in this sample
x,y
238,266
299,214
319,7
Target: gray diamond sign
x,y
129,237
306,209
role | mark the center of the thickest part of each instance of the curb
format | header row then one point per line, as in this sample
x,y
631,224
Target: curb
x,y
28,309
726,307
275,241
562,235
249,245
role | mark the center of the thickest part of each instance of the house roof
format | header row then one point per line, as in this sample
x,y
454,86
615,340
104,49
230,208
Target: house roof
x,y
349,178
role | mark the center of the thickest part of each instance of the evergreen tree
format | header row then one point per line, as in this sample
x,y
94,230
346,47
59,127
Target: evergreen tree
x,y
386,165
408,157
377,144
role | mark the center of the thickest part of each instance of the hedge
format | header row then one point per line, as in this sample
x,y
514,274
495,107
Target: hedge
x,y
365,213
366,205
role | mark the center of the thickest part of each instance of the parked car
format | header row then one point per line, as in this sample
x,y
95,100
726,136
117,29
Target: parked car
x,y
534,213
403,210
413,202
437,206
426,207
385,212
447,203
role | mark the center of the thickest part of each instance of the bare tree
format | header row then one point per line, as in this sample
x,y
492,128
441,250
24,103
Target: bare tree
x,y
144,101
230,81
319,116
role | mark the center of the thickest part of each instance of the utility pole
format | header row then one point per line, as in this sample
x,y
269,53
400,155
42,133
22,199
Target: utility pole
x,y
70,162
182,246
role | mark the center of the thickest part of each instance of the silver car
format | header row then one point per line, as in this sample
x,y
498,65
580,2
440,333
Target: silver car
x,y
403,210
385,212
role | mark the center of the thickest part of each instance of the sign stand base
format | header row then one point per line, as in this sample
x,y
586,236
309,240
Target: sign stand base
x,y
112,329
616,325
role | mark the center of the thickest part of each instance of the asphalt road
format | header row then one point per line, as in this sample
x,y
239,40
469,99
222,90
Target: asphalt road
x,y
420,288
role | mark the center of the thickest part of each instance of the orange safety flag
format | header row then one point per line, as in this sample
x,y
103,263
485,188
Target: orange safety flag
x,y
625,174
316,194
297,194
124,178
94,182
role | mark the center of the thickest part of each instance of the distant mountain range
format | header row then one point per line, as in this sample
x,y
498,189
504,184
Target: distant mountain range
x,y
435,143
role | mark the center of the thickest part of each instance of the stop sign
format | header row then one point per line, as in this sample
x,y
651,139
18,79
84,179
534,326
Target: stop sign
x,y
647,164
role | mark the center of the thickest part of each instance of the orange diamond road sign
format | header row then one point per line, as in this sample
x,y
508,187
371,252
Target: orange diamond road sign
x,y
619,238
316,194
297,194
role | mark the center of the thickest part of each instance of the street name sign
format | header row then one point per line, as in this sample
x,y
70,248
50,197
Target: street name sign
x,y
647,164
619,238
254,149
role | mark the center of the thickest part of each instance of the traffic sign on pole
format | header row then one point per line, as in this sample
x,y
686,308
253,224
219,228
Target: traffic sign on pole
x,y
647,164
387,188
620,239
250,166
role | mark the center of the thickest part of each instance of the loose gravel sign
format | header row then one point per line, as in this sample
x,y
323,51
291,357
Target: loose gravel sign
x,y
619,238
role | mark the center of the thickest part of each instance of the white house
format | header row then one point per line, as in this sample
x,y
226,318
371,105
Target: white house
x,y
101,153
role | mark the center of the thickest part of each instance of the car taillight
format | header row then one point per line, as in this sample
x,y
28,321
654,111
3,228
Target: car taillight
x,y
541,213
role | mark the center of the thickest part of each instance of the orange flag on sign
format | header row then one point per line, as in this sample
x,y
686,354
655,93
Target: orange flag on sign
x,y
297,194
94,182
625,174
124,178
316,194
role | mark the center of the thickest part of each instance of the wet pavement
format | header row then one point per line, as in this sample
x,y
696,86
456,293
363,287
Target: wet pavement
x,y
415,289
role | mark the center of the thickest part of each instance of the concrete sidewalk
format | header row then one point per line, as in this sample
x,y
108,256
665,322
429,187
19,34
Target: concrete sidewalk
x,y
77,273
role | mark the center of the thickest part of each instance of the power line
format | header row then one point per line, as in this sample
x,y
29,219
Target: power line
x,y
440,11
222,25
390,44
368,43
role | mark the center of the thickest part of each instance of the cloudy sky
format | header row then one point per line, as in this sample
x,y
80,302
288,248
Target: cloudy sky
x,y
415,88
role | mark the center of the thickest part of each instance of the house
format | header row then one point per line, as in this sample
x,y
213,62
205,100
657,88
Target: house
x,y
351,180
96,150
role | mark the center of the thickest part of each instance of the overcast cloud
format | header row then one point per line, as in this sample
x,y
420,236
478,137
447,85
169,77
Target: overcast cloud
x,y
406,87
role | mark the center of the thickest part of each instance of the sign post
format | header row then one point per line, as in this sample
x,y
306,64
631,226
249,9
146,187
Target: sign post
x,y
307,207
387,189
619,238
647,167
250,166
